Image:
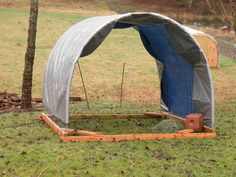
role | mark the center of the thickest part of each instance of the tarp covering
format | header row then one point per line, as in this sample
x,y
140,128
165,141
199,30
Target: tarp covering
x,y
186,84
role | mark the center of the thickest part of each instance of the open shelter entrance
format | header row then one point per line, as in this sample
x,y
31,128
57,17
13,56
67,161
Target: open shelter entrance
x,y
119,77
185,80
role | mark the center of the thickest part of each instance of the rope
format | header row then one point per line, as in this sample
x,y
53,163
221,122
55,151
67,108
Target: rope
x,y
50,166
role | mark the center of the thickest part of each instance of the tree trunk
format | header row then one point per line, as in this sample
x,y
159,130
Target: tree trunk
x,y
29,57
190,3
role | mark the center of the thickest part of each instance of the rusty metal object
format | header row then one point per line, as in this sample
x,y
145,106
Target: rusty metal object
x,y
195,122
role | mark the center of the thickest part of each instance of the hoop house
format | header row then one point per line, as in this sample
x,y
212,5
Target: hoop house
x,y
185,79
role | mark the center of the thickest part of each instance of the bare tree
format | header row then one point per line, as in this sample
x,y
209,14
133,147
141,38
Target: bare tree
x,y
212,5
217,7
188,3
29,57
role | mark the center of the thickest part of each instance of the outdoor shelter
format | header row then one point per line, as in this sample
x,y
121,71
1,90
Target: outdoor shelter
x,y
185,79
208,44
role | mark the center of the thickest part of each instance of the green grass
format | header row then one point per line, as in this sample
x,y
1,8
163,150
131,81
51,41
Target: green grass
x,y
108,64
102,82
13,37
71,6
114,126
28,146
224,79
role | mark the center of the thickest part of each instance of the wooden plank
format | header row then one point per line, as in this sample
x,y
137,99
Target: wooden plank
x,y
166,115
208,129
72,98
185,131
63,131
113,116
155,114
51,124
210,49
137,137
83,132
174,117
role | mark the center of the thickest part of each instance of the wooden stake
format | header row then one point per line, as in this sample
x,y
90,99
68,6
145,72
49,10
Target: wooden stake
x,y
121,87
85,92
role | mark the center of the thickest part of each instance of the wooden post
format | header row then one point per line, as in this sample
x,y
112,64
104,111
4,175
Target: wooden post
x,y
234,51
85,92
121,87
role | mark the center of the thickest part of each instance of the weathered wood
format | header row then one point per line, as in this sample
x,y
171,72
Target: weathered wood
x,y
155,114
97,136
83,132
113,116
51,124
174,117
185,131
210,49
75,98
165,115
72,98
137,137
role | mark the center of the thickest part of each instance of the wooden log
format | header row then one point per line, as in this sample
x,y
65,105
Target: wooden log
x,y
137,137
72,98
51,124
185,131
174,117
113,116
37,100
83,132
97,136
155,114
75,98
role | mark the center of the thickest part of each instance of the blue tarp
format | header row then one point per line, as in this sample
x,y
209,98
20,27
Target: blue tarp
x,y
177,76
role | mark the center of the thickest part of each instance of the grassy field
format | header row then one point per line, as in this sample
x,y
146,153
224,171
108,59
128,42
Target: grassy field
x,y
126,48
27,146
85,7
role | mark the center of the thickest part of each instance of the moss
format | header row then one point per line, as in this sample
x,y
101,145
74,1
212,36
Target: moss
x,y
168,126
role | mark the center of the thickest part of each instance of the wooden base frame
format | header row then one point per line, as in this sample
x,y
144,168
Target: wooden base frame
x,y
84,135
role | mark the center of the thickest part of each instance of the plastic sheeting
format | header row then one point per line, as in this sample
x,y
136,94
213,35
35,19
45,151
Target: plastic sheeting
x,y
186,84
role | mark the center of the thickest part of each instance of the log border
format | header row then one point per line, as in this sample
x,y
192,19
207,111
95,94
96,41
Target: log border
x,y
99,136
